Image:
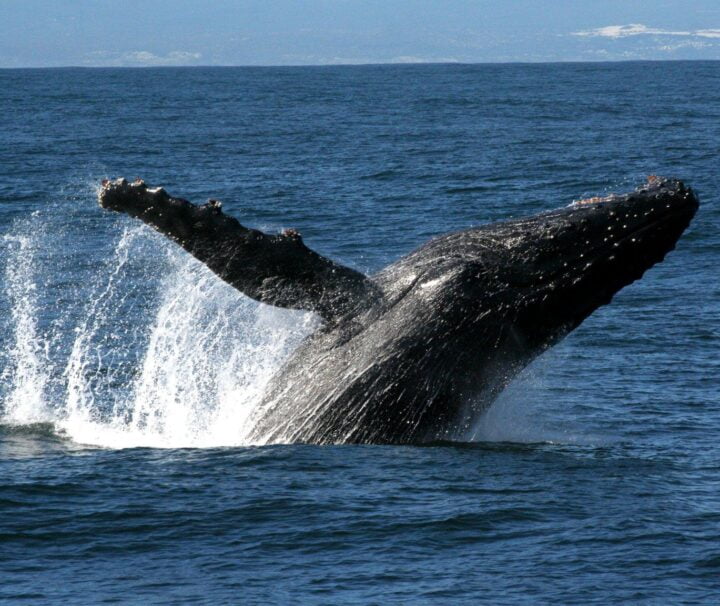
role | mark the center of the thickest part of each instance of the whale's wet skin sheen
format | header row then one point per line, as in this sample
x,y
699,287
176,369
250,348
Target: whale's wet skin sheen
x,y
304,392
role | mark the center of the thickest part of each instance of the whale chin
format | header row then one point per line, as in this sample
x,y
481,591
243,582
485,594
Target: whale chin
x,y
417,351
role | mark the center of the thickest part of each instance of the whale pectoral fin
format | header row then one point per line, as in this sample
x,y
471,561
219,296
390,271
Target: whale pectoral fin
x,y
274,269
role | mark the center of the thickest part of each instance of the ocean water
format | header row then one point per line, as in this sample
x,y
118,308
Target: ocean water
x,y
130,373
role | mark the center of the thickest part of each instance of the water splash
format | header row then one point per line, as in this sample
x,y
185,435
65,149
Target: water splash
x,y
24,370
151,350
530,411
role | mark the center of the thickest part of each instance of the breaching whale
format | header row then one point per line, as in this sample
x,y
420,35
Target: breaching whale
x,y
417,351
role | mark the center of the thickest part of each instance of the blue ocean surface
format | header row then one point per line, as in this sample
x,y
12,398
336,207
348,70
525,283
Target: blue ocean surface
x,y
130,373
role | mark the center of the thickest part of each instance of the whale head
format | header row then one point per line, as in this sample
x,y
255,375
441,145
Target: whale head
x,y
530,281
562,265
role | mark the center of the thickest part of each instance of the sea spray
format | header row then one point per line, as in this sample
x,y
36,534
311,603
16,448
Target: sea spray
x,y
24,361
161,352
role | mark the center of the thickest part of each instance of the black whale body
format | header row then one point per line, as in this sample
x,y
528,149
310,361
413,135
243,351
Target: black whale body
x,y
416,352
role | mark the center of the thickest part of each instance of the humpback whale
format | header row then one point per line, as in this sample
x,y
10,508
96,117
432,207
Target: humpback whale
x,y
416,352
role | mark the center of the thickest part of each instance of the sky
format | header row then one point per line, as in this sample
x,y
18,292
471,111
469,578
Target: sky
x,y
53,33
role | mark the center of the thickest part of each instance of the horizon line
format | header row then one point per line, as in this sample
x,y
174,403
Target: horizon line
x,y
370,64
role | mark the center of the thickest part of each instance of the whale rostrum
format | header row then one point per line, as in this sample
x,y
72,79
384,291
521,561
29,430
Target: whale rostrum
x,y
416,352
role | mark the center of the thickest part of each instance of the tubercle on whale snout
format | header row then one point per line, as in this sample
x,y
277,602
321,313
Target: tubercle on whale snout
x,y
617,220
626,233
